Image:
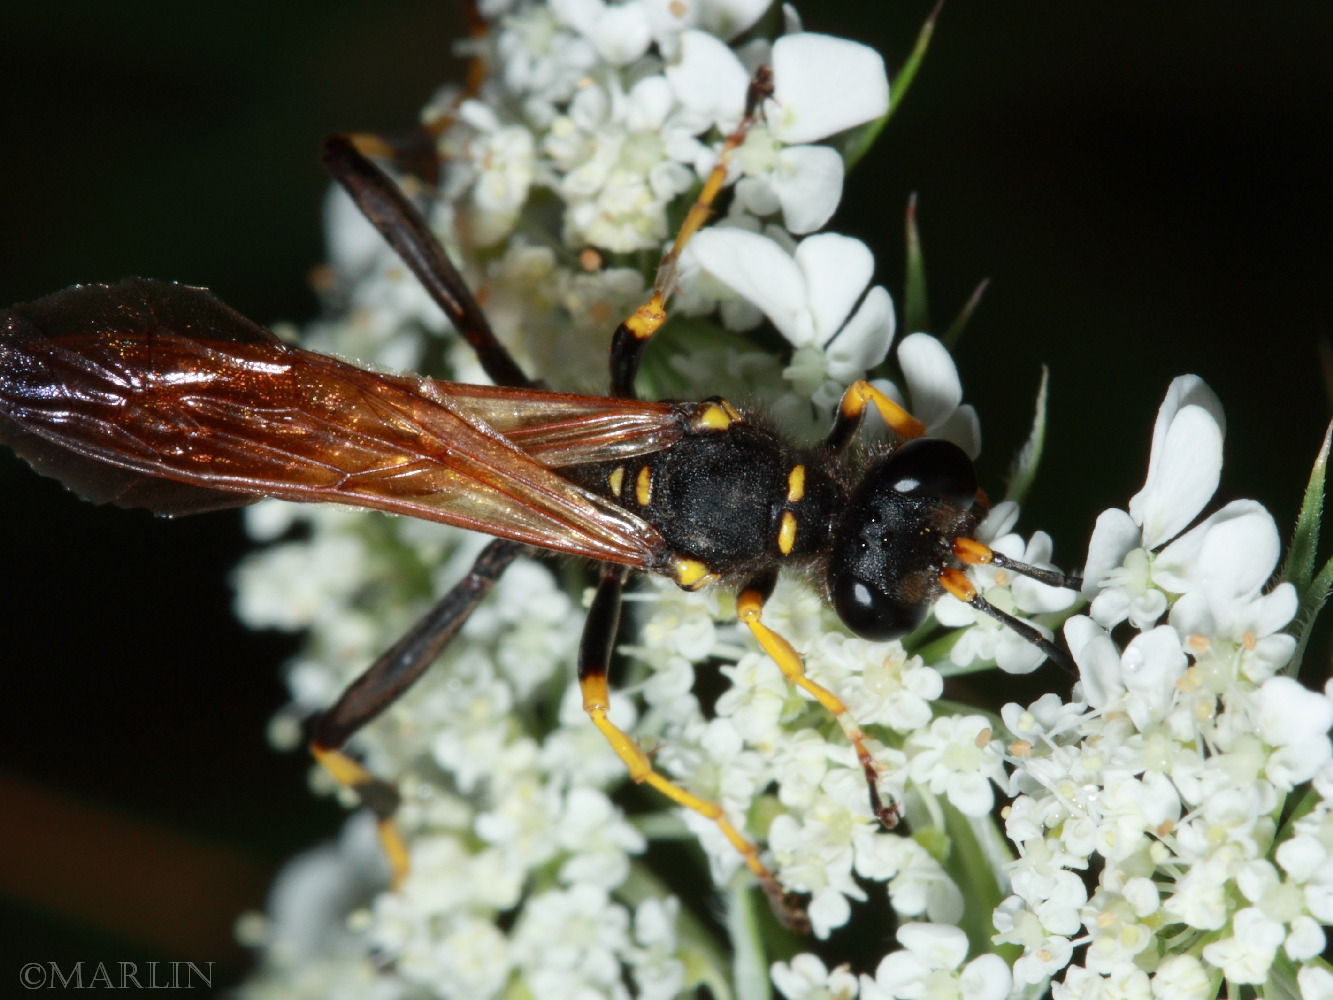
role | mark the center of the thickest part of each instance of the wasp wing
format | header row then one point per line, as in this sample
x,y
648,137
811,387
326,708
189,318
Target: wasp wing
x,y
151,394
560,429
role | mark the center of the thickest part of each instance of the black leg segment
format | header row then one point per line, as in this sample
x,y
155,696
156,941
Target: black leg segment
x,y
601,626
403,228
400,667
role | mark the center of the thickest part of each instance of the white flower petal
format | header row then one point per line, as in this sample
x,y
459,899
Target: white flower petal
x,y
971,794
1305,940
932,379
1315,983
963,428
899,972
1229,556
828,909
1291,713
1097,658
757,195
589,108
864,341
939,946
352,243
708,79
837,271
1183,473
622,33
757,269
1186,390
577,14
648,104
1015,655
1000,521
1301,857
724,18
480,115
1239,555
808,183
728,18
986,977
1150,666
1036,598
667,179
1273,610
1113,537
671,17
1110,607
688,150
791,21
823,85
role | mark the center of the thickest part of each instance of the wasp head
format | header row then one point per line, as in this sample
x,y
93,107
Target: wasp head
x,y
896,536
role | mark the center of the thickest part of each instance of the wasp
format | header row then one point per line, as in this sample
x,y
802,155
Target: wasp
x,y
157,395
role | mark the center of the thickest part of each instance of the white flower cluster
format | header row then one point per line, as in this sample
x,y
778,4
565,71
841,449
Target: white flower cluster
x,y
593,129
1169,775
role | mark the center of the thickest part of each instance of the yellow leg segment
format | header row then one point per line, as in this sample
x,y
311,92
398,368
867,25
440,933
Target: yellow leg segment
x,y
650,316
861,394
351,774
749,609
596,702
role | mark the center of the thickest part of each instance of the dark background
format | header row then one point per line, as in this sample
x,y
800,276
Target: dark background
x,y
1144,185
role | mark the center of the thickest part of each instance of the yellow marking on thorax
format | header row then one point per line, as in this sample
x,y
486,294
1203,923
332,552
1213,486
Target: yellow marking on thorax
x,y
787,533
796,483
617,480
643,486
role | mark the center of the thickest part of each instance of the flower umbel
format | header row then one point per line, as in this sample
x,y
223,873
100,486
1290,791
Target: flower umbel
x,y
1147,843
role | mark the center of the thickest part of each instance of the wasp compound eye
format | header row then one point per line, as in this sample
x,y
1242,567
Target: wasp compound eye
x,y
895,537
869,612
930,467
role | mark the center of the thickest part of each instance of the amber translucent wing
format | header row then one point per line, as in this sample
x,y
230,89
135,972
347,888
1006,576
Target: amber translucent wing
x,y
152,394
560,429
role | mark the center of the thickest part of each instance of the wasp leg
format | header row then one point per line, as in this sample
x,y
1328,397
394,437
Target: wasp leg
x,y
385,681
852,410
414,152
594,656
404,229
750,609
632,336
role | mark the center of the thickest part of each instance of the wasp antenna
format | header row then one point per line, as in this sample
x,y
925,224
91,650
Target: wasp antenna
x,y
1050,577
974,553
1028,632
